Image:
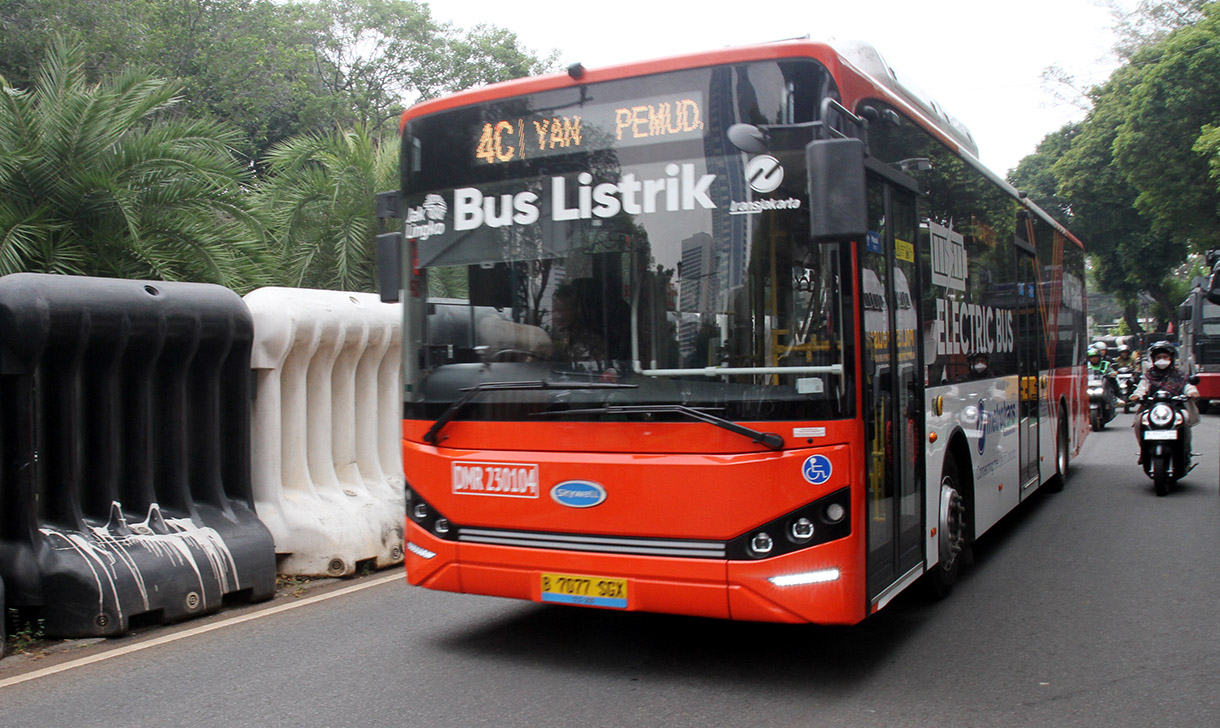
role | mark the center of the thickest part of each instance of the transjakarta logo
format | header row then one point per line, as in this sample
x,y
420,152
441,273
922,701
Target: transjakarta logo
x,y
428,219
998,420
678,190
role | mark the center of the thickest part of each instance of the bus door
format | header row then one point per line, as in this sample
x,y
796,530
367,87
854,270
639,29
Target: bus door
x,y
1030,353
892,387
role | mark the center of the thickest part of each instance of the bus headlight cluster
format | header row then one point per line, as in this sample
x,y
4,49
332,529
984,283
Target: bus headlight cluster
x,y
426,517
826,519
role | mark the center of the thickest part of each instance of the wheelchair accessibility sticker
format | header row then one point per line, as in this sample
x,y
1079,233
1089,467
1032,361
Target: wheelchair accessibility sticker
x,y
817,469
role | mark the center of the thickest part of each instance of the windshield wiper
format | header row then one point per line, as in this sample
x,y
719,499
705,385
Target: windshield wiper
x,y
770,439
432,436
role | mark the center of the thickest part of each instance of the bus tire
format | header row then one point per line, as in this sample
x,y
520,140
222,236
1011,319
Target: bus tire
x,y
952,532
1063,458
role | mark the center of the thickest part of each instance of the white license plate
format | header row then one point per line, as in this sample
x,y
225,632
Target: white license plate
x,y
1160,434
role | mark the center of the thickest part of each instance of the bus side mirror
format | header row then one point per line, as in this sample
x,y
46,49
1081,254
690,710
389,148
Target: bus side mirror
x,y
1213,286
838,205
389,266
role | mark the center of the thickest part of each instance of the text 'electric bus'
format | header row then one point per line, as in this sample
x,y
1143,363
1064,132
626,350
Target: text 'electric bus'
x,y
749,334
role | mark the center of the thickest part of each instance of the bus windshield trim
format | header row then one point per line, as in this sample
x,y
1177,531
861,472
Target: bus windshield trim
x,y
836,369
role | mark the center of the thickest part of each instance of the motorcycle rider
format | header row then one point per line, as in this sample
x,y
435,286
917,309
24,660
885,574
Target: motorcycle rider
x,y
1124,358
980,366
1163,373
1100,368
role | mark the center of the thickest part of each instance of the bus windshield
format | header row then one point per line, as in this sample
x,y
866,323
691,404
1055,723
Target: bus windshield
x,y
609,233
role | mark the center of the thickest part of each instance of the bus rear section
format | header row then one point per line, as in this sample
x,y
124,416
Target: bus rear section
x,y
1199,337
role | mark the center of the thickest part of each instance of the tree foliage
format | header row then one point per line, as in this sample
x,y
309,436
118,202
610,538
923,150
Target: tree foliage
x,y
103,179
319,200
1172,95
1132,178
273,68
106,170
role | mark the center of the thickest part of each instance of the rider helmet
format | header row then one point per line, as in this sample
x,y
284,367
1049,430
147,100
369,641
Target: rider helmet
x,y
1123,349
1092,352
1163,347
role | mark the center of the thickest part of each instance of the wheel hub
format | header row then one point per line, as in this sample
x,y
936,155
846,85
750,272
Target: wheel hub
x,y
952,524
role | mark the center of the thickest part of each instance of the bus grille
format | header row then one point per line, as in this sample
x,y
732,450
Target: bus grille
x,y
601,544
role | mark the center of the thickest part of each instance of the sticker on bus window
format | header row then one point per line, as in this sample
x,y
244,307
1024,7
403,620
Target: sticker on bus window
x,y
904,251
810,385
872,242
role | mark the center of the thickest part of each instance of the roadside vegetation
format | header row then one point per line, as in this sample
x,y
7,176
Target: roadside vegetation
x,y
240,142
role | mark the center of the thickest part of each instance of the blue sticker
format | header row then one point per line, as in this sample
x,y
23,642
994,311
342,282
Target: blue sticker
x,y
817,469
578,493
873,242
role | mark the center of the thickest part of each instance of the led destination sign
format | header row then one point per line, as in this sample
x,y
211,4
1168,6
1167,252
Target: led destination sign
x,y
589,127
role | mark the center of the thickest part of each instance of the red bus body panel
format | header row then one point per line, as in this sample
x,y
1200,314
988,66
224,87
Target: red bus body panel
x,y
650,494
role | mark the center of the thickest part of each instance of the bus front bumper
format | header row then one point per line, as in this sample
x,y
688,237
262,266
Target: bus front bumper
x,y
817,584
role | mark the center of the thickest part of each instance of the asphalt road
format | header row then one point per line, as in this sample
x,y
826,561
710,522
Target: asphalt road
x,y
1096,606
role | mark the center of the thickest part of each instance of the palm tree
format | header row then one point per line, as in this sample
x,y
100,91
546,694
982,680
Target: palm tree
x,y
105,179
319,200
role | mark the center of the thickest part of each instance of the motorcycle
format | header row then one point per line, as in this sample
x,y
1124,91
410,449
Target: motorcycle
x,y
1102,407
1126,378
1165,439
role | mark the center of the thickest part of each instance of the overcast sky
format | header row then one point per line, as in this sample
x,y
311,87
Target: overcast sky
x,y
982,61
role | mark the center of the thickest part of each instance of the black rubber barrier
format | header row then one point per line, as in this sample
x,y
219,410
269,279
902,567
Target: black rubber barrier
x,y
125,453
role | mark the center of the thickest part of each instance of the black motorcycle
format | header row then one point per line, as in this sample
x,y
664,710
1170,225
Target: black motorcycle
x,y
1102,407
1126,379
1165,439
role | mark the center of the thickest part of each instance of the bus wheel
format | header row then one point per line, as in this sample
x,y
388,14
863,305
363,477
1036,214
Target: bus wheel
x,y
951,530
1062,458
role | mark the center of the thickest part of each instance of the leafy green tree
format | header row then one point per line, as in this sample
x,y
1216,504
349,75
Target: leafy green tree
x,y
319,200
1129,256
104,179
1035,174
1149,21
1174,93
273,68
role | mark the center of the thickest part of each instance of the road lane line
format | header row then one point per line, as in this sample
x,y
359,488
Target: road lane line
x,y
127,650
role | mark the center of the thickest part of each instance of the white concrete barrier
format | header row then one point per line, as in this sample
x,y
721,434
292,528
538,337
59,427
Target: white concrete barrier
x,y
326,441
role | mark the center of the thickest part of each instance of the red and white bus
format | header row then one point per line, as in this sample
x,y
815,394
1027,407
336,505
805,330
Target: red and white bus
x,y
698,336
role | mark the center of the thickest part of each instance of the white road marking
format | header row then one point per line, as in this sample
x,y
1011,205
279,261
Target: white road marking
x,y
90,659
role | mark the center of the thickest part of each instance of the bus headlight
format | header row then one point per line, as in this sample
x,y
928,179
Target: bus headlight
x,y
761,544
835,513
1161,415
801,530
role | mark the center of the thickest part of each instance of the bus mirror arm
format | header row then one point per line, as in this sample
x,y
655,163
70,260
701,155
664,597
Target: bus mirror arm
x,y
389,266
